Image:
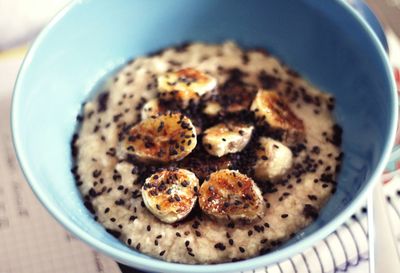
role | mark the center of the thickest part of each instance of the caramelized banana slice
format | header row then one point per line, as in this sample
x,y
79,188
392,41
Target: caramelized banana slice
x,y
226,138
151,109
185,85
230,195
274,159
164,138
270,107
187,80
154,107
170,195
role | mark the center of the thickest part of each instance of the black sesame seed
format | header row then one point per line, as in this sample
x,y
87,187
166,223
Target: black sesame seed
x,y
114,233
89,206
120,202
309,211
231,242
102,101
312,197
148,228
258,228
241,249
96,173
315,150
220,246
284,215
117,177
161,126
92,192
96,128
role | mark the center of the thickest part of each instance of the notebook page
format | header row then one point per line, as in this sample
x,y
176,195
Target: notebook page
x,y
30,239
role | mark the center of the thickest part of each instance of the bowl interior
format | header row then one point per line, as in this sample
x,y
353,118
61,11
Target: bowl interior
x,y
325,42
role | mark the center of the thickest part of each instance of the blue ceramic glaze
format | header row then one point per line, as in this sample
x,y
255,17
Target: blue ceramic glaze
x,y
325,41
372,20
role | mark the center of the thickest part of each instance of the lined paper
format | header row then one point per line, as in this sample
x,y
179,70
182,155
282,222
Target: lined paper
x,y
31,240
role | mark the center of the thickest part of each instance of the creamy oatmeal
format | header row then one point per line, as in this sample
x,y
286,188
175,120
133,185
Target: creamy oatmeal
x,y
206,153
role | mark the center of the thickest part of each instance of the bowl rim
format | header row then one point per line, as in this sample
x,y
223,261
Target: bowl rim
x,y
158,265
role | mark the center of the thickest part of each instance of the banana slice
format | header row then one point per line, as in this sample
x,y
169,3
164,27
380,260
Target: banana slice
x,y
274,159
185,86
226,138
164,138
230,195
187,80
151,109
270,107
170,195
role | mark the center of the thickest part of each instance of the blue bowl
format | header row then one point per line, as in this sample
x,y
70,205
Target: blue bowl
x,y
326,41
